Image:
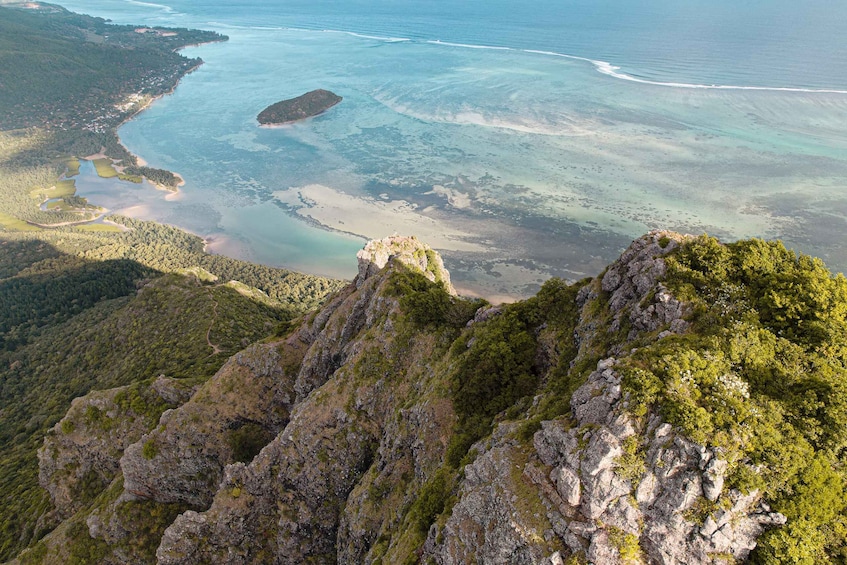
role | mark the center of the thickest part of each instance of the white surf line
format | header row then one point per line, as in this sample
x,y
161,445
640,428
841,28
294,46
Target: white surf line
x,y
162,7
609,69
603,67
377,37
467,45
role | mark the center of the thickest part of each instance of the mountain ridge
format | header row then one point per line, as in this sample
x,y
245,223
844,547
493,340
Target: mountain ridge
x,y
595,422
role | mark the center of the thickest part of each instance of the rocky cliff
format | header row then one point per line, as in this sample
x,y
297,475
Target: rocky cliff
x,y
403,424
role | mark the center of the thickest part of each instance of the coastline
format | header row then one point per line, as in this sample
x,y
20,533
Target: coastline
x,y
137,159
140,161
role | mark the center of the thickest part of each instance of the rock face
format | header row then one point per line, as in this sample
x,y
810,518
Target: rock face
x,y
609,504
310,493
247,401
406,250
296,109
81,454
352,423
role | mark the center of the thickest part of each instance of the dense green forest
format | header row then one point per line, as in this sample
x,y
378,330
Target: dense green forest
x,y
305,106
156,176
89,306
67,71
68,326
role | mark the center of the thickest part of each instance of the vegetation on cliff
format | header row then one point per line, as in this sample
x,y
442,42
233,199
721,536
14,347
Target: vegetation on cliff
x,y
296,109
689,402
762,377
90,306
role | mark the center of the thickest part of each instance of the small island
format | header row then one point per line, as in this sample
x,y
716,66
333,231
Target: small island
x,y
296,109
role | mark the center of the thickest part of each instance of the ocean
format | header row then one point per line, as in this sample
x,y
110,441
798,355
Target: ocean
x,y
523,140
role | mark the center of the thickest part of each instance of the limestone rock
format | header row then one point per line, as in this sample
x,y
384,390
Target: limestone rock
x,y
406,250
635,288
488,525
713,479
655,507
568,485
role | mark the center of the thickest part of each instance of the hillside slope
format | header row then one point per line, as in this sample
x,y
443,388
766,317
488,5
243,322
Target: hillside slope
x,y
69,326
686,406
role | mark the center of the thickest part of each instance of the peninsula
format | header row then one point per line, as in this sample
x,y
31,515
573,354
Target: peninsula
x,y
296,109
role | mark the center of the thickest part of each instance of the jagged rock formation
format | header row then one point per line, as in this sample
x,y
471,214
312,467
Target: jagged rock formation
x,y
246,402
406,250
354,456
600,501
287,505
609,503
80,456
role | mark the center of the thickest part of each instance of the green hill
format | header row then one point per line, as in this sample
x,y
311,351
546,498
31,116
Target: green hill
x,y
687,405
85,307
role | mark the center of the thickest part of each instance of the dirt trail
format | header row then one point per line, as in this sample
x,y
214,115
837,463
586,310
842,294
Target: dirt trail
x,y
215,349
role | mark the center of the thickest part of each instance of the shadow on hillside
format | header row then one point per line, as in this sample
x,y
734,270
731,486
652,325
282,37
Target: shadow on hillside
x,y
40,285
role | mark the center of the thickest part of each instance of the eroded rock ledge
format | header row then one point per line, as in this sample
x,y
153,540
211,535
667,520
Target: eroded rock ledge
x,y
356,406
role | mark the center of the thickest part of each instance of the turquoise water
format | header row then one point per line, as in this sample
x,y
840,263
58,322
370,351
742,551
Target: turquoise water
x,y
523,140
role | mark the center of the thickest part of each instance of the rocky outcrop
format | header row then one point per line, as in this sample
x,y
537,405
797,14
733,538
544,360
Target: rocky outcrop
x,y
645,500
234,414
348,422
406,250
353,422
635,290
602,488
496,519
81,454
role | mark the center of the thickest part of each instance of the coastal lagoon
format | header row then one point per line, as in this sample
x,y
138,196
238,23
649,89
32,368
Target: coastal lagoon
x,y
521,140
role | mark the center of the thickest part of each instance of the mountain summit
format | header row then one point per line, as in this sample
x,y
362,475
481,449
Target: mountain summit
x,y
685,406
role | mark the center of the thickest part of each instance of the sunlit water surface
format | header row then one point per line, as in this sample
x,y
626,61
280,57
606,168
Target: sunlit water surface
x,y
522,140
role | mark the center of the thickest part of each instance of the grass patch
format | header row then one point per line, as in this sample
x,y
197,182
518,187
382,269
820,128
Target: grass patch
x,y
12,223
104,168
131,178
60,205
62,189
72,165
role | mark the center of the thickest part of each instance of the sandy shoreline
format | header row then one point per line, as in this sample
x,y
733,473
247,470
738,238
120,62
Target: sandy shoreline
x,y
116,224
140,161
277,126
100,155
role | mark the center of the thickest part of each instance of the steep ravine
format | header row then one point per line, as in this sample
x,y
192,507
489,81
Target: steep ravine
x,y
402,424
